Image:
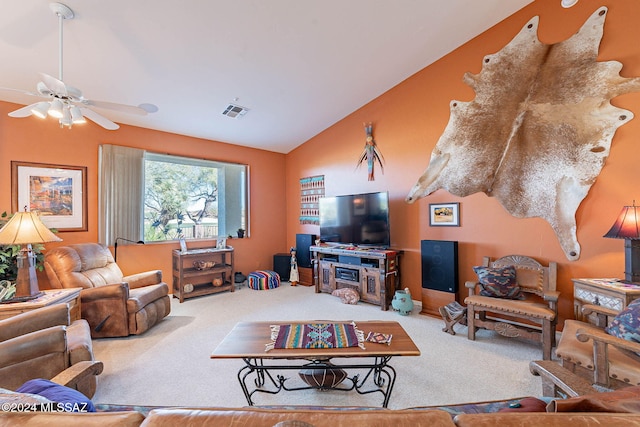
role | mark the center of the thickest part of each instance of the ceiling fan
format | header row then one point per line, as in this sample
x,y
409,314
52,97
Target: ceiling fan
x,y
66,103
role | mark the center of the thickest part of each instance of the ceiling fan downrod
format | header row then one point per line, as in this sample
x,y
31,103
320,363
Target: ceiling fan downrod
x,y
63,12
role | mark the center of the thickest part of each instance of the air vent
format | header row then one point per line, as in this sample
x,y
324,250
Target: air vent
x,y
234,111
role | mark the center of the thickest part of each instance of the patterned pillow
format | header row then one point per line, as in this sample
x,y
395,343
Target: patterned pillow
x,y
498,282
626,324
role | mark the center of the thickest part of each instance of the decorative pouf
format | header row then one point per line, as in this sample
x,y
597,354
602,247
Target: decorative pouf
x,y
263,279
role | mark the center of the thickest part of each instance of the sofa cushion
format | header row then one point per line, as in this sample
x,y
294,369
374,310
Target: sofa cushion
x,y
498,282
626,400
70,400
626,324
317,418
71,419
537,419
514,307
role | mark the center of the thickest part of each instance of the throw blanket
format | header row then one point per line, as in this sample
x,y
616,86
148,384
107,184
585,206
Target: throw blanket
x,y
315,335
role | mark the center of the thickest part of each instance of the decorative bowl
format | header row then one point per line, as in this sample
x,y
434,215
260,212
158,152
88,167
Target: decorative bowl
x,y
203,265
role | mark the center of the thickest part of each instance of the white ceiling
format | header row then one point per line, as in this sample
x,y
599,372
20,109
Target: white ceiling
x,y
298,65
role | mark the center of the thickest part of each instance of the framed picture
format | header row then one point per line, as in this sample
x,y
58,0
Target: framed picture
x,y
183,245
444,214
57,193
221,243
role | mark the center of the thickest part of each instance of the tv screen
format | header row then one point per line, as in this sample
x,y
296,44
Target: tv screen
x,y
356,219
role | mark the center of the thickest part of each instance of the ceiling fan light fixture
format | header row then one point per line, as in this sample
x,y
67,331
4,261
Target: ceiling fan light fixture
x,y
40,109
65,120
66,103
76,115
55,110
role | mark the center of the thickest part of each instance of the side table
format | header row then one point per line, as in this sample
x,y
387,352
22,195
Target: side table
x,y
614,294
69,296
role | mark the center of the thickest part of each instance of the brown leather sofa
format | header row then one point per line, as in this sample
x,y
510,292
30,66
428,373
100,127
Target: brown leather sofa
x,y
620,408
256,417
44,343
114,305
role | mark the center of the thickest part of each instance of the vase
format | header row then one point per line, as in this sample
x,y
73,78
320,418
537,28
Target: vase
x,y
402,302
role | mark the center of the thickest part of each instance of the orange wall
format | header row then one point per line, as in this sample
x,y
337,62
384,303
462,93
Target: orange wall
x,y
408,121
34,140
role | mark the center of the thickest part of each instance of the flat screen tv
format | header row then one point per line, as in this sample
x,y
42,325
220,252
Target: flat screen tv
x,y
356,219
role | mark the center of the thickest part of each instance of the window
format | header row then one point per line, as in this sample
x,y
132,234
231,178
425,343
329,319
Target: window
x,y
157,197
192,198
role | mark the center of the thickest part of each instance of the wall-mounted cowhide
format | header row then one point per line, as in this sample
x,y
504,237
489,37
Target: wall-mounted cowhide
x,y
538,131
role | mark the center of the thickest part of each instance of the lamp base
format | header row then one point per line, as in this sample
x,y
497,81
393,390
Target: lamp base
x,y
632,260
27,280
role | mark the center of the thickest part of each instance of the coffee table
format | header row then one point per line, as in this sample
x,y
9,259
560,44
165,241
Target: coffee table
x,y
247,341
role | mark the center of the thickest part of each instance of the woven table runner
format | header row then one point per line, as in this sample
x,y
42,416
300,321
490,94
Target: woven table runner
x,y
315,335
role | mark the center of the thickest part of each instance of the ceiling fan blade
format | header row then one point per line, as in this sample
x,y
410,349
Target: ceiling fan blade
x,y
23,92
129,109
23,112
99,119
56,86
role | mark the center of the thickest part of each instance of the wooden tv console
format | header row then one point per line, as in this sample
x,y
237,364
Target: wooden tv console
x,y
374,273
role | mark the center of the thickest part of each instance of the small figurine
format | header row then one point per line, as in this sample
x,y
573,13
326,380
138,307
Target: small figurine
x,y
294,278
370,153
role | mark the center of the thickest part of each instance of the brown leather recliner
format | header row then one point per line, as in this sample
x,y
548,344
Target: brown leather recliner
x,y
114,305
44,343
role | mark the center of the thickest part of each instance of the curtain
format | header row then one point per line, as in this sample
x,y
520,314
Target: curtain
x,y
120,193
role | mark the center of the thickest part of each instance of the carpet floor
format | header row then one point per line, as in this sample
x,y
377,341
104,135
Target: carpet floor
x,y
169,365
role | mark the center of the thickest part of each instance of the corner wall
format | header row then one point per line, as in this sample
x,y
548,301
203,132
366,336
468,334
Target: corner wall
x,y
408,121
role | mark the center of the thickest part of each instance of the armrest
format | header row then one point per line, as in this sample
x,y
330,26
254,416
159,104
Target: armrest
x,y
556,377
551,296
113,291
146,278
79,344
599,335
34,320
74,374
471,286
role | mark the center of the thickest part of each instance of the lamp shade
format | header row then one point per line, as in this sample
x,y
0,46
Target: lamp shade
x,y
24,228
626,226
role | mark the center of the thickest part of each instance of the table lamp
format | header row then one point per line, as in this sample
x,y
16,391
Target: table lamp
x,y
626,227
25,228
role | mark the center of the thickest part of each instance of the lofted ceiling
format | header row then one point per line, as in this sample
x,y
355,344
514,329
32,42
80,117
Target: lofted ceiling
x,y
299,66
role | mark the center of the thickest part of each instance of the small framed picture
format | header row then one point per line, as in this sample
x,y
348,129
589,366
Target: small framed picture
x,y
221,244
183,245
444,214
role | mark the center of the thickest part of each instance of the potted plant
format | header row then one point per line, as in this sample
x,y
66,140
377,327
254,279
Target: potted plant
x,y
240,233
